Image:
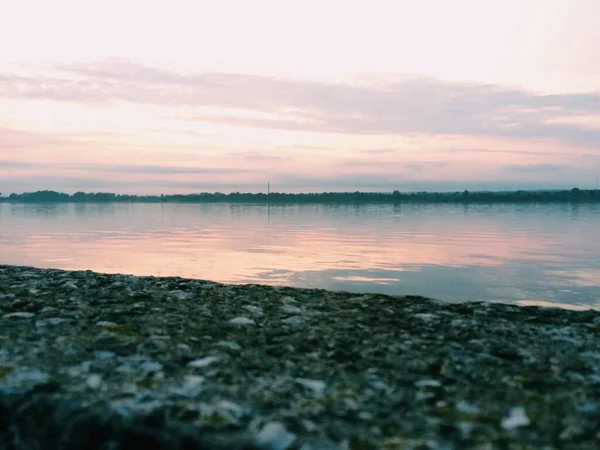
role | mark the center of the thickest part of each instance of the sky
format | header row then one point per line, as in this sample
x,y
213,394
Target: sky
x,y
201,96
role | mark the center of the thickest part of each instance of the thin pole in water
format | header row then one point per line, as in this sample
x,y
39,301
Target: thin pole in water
x,y
268,202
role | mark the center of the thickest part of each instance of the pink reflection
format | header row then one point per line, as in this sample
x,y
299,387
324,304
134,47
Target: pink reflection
x,y
237,244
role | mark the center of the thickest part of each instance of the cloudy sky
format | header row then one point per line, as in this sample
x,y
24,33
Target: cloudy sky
x,y
187,96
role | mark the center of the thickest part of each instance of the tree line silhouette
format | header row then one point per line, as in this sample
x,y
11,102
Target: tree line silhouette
x,y
572,195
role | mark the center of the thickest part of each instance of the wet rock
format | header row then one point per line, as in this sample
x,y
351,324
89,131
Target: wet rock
x,y
180,363
242,321
294,321
517,418
19,315
203,362
274,436
316,386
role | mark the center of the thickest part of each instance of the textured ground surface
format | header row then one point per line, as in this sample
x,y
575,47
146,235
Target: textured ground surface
x,y
115,362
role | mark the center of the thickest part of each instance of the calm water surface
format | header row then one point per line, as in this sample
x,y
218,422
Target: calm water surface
x,y
540,254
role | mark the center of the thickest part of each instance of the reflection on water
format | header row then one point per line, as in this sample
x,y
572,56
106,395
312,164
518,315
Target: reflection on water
x,y
544,254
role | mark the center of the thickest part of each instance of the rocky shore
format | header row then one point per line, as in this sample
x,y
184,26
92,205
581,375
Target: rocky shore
x,y
95,361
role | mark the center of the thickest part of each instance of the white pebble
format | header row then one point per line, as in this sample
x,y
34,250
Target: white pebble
x,y
294,320
50,321
181,295
18,315
242,321
105,323
94,381
256,310
291,309
231,345
103,355
233,408
379,384
30,376
151,367
288,300
428,383
517,418
274,436
203,362
424,316
466,408
317,386
192,385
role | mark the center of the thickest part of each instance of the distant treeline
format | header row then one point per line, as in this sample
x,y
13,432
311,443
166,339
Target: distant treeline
x,y
572,195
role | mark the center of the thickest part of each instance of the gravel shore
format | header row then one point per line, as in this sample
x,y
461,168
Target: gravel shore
x,y
96,361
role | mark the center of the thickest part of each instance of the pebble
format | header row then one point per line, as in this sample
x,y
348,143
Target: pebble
x,y
203,362
94,381
424,316
274,436
517,418
316,386
467,408
241,320
32,376
151,367
19,315
233,408
289,300
191,387
428,383
103,355
294,320
291,309
181,295
256,310
49,321
231,345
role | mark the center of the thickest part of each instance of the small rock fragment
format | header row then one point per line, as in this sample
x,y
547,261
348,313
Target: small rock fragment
x,y
32,376
466,408
231,345
49,321
428,383
291,309
103,355
274,436
19,315
288,300
424,316
316,386
181,295
203,362
294,320
517,418
94,381
256,310
242,321
151,367
233,408
192,386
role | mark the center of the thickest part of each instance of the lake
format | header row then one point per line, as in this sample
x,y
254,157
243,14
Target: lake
x,y
544,254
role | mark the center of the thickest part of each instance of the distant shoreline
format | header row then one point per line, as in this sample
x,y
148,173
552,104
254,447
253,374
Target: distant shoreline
x,y
395,197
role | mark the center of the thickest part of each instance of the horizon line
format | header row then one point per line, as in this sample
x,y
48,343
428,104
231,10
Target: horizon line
x,y
270,192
